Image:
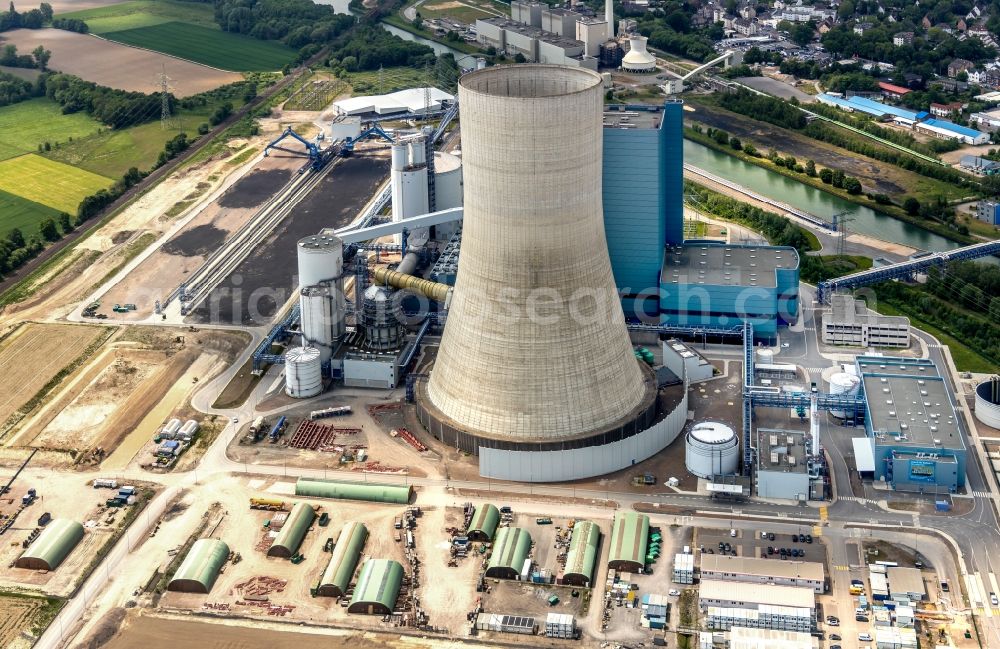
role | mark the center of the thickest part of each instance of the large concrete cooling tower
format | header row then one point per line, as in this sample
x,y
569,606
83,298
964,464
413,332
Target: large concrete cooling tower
x,y
535,353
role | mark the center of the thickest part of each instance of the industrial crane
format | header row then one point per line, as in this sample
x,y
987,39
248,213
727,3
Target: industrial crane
x,y
312,151
347,148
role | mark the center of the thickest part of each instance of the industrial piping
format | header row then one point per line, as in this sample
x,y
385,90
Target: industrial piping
x,y
433,290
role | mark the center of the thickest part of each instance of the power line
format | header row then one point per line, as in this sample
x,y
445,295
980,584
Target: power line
x,y
164,84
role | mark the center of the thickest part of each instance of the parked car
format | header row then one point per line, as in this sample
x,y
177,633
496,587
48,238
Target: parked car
x,y
673,592
993,599
770,536
945,587
865,636
861,618
835,637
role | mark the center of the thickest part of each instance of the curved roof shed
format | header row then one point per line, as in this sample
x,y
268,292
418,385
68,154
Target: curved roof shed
x,y
369,492
52,546
377,588
484,523
346,554
629,539
509,552
582,555
293,531
201,567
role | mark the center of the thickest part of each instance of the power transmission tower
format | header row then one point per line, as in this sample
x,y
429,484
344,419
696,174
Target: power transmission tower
x,y
840,224
163,81
381,80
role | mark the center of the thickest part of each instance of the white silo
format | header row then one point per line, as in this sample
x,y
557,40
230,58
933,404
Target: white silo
x,y
504,376
711,448
447,191
480,63
843,383
322,314
408,176
638,58
303,372
321,259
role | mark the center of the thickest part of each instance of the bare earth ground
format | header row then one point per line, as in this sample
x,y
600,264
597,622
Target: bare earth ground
x,y
166,268
34,354
114,65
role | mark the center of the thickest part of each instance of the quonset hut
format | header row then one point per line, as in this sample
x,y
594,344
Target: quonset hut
x,y
512,547
369,492
582,555
200,568
484,523
377,588
293,531
52,546
346,554
629,538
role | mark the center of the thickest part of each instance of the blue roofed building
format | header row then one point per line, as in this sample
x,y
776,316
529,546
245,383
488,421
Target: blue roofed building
x,y
912,425
941,128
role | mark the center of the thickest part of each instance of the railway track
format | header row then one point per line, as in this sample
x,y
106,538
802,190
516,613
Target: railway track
x,y
227,259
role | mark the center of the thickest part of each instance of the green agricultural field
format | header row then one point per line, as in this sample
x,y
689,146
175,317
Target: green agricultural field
x,y
111,153
25,125
144,13
207,46
22,214
48,182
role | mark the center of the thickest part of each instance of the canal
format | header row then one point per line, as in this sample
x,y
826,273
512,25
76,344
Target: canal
x,y
809,199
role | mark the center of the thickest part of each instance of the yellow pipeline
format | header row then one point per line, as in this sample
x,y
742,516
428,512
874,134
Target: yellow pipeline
x,y
433,290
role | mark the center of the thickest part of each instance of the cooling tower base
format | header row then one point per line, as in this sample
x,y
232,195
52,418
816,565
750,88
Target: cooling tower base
x,y
448,431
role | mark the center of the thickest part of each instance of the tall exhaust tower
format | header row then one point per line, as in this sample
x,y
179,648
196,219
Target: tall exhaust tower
x,y
535,354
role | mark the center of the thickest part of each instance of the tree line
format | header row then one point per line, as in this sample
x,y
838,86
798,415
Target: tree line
x,y
369,47
296,23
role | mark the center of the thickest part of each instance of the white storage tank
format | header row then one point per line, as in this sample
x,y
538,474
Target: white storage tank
x,y
765,355
322,313
843,383
321,258
988,402
303,372
447,191
711,448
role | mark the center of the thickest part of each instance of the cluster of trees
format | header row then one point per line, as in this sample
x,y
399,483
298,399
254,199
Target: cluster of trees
x,y
15,250
14,89
973,285
369,47
297,23
770,109
33,19
116,108
838,179
71,25
39,57
668,27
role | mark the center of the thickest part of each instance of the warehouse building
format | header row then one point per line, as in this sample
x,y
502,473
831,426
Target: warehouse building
x,y
510,551
732,594
484,523
366,491
581,560
988,212
533,43
783,466
412,100
806,574
201,567
849,322
52,546
643,186
287,543
343,562
911,422
377,588
713,284
905,583
629,539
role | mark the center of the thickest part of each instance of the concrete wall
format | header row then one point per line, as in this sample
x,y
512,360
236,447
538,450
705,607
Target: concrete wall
x,y
559,466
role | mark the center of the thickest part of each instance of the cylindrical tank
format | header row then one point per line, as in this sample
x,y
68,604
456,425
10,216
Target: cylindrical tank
x,y
843,383
322,317
303,372
480,63
711,449
535,347
765,355
447,180
988,402
383,330
321,258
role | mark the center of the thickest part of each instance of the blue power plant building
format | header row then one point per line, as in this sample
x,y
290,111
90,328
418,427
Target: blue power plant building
x,y
661,278
911,425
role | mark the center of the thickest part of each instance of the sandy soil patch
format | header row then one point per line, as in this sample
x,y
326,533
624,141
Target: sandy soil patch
x,y
115,65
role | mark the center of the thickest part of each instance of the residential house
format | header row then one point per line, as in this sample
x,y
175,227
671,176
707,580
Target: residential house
x,y
893,92
861,28
959,65
946,110
745,27
926,22
900,39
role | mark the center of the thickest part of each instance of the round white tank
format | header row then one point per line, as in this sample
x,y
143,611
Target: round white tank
x,y
321,258
711,448
321,325
843,383
447,181
399,156
303,372
480,63
988,402
765,355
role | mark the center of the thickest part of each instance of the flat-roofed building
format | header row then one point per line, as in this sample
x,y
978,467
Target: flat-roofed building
x,y
849,322
747,638
734,594
807,574
765,616
906,583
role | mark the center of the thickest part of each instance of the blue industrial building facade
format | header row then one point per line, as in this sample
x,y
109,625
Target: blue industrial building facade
x,y
931,461
643,184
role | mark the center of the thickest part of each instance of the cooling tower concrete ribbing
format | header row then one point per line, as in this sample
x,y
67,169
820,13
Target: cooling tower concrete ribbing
x,y
533,238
